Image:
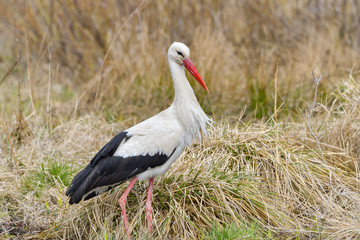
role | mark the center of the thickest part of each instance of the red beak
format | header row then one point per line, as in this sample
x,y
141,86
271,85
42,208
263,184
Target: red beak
x,y
191,68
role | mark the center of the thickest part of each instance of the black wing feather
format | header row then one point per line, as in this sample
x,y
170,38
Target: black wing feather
x,y
108,170
106,151
109,149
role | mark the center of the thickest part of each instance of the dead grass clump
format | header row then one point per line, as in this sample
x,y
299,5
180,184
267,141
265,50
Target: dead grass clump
x,y
344,129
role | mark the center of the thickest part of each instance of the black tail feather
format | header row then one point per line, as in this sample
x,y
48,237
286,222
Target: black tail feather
x,y
75,186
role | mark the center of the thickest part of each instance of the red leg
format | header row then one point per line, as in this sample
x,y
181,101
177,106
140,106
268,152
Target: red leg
x,y
122,202
148,204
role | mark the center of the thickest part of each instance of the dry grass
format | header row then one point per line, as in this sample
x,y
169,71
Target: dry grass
x,y
267,173
87,69
112,54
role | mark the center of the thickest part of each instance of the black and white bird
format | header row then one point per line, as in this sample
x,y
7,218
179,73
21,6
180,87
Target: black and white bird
x,y
147,149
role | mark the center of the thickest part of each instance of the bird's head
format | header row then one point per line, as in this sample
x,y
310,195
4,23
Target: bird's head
x,y
180,53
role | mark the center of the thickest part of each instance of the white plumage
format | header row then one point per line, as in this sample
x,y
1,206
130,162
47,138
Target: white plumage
x,y
147,149
176,127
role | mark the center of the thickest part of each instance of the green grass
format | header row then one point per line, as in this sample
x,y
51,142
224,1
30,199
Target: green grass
x,y
232,231
51,173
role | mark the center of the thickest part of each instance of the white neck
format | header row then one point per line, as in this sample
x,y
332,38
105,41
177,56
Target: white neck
x,y
185,104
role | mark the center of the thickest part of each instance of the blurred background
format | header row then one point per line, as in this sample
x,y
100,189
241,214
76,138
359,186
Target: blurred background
x,y
111,56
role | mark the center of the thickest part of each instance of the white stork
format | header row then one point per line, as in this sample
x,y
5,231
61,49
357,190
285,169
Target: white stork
x,y
147,149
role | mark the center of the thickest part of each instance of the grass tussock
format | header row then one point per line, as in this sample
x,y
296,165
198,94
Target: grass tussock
x,y
75,73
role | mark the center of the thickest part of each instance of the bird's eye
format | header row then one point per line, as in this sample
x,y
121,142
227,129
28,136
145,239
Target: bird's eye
x,y
180,53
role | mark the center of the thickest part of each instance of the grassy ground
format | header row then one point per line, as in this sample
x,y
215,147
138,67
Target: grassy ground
x,y
279,164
